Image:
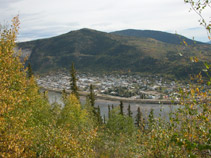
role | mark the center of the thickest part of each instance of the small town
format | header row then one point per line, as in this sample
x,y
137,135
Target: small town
x,y
133,87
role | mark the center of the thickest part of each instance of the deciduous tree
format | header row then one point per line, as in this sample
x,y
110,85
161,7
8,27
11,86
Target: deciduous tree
x,y
73,81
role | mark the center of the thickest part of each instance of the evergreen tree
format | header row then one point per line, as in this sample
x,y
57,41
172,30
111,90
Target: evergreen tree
x,y
129,111
91,95
109,111
119,124
121,108
96,111
30,72
151,116
45,94
64,95
73,82
138,117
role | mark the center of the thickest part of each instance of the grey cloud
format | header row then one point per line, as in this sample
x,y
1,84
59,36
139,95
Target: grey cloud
x,y
7,3
45,31
43,18
100,24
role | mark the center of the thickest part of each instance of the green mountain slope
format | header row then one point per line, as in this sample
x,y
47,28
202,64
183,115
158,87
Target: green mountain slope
x,y
95,51
158,35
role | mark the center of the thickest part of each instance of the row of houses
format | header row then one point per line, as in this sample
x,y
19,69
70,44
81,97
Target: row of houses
x,y
138,86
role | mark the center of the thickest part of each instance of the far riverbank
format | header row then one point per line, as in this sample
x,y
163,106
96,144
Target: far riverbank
x,y
159,109
123,99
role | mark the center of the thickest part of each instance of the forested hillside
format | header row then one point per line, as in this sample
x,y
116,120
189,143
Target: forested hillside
x,y
94,51
158,35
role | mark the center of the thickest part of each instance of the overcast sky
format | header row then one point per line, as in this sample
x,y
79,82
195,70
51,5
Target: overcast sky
x,y
47,18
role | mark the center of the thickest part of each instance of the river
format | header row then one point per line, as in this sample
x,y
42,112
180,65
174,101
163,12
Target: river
x,y
159,109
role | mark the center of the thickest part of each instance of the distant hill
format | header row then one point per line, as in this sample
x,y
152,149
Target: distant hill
x,y
95,51
158,35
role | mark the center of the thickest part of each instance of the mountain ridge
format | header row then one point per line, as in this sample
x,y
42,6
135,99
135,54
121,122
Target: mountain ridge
x,y
158,35
97,51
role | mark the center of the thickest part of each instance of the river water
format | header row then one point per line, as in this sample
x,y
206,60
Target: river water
x,y
159,109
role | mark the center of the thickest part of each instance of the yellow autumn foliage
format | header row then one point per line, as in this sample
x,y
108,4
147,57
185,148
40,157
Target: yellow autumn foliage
x,y
13,97
31,127
27,124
